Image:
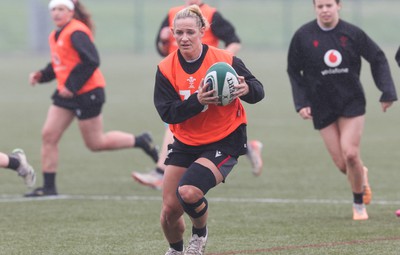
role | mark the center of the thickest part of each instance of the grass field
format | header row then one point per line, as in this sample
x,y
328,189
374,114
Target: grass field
x,y
300,205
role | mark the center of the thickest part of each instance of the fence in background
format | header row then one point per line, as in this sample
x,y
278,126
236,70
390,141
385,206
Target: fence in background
x,y
131,25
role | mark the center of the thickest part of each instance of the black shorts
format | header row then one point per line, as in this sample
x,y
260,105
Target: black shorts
x,y
224,153
326,115
184,158
85,106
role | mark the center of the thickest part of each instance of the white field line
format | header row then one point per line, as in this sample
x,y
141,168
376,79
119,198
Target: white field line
x,y
19,198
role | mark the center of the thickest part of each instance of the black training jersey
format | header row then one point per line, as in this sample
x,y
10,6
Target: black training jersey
x,y
325,65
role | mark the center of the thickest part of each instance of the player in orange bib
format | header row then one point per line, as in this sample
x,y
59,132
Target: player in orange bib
x,y
208,139
221,31
80,92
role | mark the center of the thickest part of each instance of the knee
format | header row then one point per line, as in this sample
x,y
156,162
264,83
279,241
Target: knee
x,y
195,183
189,194
351,156
192,201
49,137
93,146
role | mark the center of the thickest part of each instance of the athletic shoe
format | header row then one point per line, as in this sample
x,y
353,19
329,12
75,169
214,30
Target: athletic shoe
x,y
172,251
152,179
42,192
197,245
24,170
254,154
359,212
149,147
367,197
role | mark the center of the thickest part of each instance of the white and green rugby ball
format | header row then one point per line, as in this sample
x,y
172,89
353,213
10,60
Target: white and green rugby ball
x,y
222,78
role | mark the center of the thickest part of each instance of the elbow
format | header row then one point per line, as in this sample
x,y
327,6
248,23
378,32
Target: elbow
x,y
91,62
258,98
165,118
169,119
164,114
94,64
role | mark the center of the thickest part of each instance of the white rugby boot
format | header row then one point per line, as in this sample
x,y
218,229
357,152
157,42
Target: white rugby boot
x,y
172,251
197,245
24,170
152,179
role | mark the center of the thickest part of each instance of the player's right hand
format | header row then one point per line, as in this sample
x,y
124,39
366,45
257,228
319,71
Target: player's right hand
x,y
35,77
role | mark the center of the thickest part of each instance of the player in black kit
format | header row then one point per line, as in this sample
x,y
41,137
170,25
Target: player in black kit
x,y
324,64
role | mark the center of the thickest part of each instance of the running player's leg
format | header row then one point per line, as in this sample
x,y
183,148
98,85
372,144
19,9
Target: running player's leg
x,y
171,217
154,178
351,130
57,121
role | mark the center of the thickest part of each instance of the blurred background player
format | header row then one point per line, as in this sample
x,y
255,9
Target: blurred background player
x,y
17,161
397,57
79,94
208,139
221,30
324,63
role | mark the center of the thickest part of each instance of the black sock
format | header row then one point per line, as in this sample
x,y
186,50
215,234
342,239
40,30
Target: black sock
x,y
49,180
139,141
200,232
358,198
159,170
13,163
177,246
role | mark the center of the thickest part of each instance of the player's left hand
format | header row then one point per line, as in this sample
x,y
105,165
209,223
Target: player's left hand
x,y
242,88
386,105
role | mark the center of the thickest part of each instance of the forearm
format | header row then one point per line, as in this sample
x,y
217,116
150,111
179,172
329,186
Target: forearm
x,y
47,74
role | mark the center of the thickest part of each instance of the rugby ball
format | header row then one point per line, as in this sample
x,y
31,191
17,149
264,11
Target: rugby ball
x,y
221,77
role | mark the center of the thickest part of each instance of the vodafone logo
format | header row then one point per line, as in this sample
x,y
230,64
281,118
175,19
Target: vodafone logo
x,y
333,58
